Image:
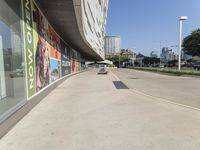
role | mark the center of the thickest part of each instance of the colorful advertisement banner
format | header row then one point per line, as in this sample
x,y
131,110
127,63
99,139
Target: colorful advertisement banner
x,y
42,48
48,57
55,70
65,65
55,43
28,42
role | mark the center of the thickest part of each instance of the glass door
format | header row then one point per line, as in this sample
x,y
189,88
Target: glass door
x,y
2,73
12,77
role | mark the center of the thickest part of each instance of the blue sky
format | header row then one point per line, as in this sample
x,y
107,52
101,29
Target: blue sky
x,y
143,23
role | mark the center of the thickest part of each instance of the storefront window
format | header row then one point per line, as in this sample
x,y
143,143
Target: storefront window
x,y
12,66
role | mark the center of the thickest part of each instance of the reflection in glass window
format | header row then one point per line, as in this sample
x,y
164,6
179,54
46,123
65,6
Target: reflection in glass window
x,y
12,73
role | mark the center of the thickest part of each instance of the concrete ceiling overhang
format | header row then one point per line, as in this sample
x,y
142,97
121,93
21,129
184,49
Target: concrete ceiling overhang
x,y
61,15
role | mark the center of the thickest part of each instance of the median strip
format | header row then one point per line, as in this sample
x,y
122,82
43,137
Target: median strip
x,y
170,71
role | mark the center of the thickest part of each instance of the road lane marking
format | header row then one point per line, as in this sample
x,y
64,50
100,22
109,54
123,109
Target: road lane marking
x,y
162,99
115,76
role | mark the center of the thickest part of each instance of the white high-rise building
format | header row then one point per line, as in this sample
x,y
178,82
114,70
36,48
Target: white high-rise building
x,y
112,45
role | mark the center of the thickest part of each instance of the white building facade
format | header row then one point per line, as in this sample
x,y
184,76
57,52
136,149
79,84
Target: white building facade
x,y
92,23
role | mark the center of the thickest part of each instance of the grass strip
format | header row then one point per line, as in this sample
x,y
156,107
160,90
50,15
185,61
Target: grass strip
x,y
169,71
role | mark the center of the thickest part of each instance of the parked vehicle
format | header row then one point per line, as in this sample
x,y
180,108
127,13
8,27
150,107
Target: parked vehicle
x,y
155,65
189,65
196,66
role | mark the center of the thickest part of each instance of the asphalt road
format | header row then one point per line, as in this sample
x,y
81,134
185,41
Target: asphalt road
x,y
182,90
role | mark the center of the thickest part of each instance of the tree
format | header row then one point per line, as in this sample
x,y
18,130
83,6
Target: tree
x,y
115,59
191,43
151,60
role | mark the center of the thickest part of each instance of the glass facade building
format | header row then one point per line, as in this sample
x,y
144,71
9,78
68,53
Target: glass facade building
x,y
33,56
37,51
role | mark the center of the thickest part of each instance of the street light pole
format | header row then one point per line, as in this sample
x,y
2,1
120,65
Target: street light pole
x,y
119,60
182,18
160,53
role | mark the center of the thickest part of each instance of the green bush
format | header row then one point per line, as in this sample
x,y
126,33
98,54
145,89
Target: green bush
x,y
194,60
170,71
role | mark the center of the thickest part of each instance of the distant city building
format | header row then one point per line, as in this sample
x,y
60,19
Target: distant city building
x,y
131,55
163,55
139,59
112,45
153,54
168,55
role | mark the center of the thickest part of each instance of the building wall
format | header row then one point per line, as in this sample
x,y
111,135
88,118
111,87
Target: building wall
x,y
33,57
112,45
94,23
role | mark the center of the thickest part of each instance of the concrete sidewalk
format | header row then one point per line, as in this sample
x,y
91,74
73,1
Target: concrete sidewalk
x,y
87,112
